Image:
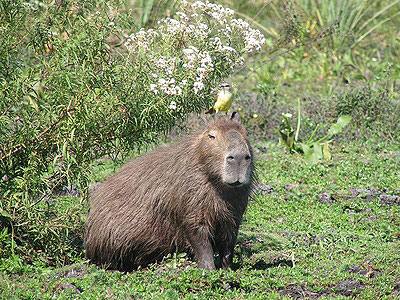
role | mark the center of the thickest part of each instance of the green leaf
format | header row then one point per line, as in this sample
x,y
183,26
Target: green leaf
x,y
5,214
33,103
341,123
309,153
313,153
307,150
318,151
146,7
288,139
325,151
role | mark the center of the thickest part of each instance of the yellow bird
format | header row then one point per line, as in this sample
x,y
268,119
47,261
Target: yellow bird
x,y
223,100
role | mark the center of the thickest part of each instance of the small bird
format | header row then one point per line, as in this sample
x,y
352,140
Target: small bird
x,y
223,100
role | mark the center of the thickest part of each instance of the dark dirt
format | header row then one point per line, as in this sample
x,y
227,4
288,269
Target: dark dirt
x,y
326,198
349,287
367,271
75,273
367,194
389,200
72,271
264,189
272,262
385,197
68,287
296,291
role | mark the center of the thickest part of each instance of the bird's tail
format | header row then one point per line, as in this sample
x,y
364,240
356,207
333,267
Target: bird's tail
x,y
210,111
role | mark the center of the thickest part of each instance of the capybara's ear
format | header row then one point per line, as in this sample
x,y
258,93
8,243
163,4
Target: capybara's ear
x,y
235,117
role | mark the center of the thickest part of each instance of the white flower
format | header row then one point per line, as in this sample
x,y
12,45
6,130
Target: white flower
x,y
178,90
188,51
240,61
198,86
203,27
287,115
153,88
182,16
190,29
141,39
227,48
194,48
198,4
172,105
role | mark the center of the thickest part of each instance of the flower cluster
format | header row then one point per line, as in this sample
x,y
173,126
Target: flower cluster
x,y
201,43
142,39
199,62
253,38
215,11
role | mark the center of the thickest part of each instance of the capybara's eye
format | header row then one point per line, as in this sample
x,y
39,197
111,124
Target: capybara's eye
x,y
247,157
211,136
230,158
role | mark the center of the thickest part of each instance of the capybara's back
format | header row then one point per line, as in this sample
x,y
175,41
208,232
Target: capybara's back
x,y
189,196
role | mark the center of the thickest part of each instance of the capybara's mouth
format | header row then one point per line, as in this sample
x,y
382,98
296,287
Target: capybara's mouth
x,y
235,184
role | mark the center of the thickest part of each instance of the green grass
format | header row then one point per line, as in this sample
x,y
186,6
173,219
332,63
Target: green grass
x,y
291,242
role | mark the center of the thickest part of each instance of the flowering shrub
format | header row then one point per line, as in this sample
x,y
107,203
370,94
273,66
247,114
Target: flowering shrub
x,y
188,54
75,88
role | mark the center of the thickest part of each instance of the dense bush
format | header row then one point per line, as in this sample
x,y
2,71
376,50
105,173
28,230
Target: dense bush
x,y
79,80
261,112
372,109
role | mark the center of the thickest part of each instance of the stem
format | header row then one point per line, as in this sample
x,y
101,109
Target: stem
x,y
313,133
323,138
296,136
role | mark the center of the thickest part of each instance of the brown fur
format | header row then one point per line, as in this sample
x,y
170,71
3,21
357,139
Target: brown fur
x,y
171,199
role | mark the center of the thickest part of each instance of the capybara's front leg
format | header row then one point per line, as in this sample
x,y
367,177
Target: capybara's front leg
x,y
226,255
202,248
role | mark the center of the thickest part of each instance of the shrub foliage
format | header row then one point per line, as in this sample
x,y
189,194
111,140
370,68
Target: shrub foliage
x,y
78,83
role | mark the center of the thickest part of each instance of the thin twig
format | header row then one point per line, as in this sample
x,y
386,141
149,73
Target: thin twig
x,y
262,8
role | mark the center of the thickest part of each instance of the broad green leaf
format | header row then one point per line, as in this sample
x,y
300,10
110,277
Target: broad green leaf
x,y
339,125
307,150
317,150
313,153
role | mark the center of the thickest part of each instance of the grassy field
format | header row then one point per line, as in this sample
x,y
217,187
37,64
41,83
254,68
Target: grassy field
x,y
323,230
311,231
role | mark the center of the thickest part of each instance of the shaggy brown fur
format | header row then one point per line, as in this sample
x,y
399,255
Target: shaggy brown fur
x,y
189,196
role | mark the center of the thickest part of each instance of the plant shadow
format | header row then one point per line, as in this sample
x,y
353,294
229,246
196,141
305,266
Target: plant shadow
x,y
261,251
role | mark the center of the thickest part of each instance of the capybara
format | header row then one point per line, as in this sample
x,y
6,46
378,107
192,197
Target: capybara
x,y
189,196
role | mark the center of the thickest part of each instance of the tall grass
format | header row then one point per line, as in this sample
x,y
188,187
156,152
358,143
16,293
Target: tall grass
x,y
357,19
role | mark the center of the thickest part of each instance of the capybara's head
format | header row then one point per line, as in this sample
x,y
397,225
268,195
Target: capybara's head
x,y
225,153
